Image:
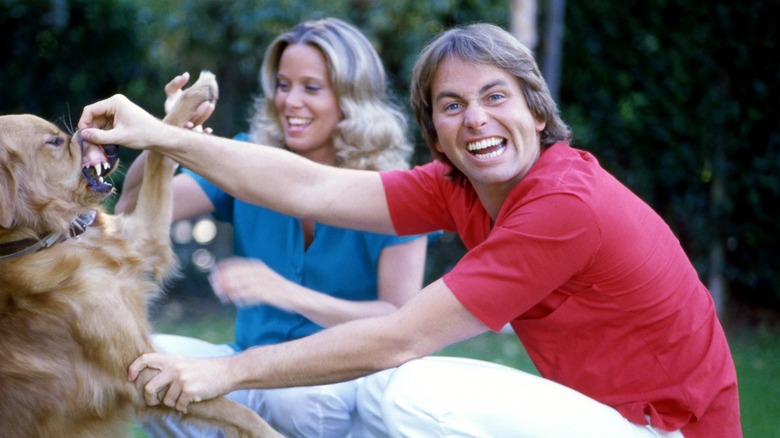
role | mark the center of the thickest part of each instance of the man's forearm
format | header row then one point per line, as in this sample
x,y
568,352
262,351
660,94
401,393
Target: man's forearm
x,y
254,174
281,180
343,353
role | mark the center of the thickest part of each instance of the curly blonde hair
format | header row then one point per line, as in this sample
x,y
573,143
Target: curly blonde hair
x,y
372,134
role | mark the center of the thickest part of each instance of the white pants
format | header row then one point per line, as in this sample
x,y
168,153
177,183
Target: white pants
x,y
315,411
455,397
430,397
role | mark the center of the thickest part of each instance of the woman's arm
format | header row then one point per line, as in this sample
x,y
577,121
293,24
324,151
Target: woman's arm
x,y
249,282
131,186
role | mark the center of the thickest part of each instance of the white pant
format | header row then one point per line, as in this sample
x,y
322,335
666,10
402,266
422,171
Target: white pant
x,y
455,397
430,397
315,411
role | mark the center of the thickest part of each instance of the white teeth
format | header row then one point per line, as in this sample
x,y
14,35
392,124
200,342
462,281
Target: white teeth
x,y
106,166
492,154
297,121
98,170
484,144
100,179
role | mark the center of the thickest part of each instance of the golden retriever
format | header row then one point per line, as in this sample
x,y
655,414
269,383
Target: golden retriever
x,y
75,283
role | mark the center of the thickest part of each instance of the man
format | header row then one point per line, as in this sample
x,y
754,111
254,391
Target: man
x,y
593,282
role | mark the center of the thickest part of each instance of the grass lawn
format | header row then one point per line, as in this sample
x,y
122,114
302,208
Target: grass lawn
x,y
756,351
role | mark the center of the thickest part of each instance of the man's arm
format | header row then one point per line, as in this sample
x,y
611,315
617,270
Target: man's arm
x,y
433,319
267,176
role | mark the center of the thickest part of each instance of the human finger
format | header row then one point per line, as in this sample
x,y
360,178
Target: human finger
x,y
173,91
202,113
182,403
146,360
98,114
172,396
176,84
166,386
143,366
216,281
124,123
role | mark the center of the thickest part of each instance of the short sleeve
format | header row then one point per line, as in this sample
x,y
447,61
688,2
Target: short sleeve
x,y
527,256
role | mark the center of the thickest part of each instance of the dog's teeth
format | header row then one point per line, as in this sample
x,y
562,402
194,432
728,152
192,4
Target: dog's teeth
x,y
106,166
98,170
100,179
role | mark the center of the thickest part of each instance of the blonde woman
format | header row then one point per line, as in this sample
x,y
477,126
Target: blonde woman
x,y
325,99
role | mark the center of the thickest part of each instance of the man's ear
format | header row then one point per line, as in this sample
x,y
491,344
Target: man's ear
x,y
7,192
437,146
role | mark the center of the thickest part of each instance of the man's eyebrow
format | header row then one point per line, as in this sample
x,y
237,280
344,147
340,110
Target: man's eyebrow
x,y
486,87
445,94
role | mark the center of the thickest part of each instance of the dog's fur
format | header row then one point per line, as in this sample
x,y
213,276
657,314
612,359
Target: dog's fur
x,y
73,316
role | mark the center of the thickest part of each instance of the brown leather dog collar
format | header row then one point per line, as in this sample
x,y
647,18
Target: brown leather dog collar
x,y
19,248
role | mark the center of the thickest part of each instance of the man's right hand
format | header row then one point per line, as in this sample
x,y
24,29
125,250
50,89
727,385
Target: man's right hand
x,y
119,121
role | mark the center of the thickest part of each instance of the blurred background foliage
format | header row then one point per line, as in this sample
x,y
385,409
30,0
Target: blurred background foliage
x,y
680,100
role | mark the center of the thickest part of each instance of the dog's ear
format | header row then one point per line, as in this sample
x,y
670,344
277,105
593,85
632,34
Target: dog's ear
x,y
7,191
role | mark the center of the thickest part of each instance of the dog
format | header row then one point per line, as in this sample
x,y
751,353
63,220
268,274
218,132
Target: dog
x,y
75,283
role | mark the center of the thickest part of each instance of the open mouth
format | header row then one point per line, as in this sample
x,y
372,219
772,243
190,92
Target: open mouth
x,y
487,148
297,123
98,163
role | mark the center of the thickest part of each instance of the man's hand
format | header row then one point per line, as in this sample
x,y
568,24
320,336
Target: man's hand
x,y
187,380
119,121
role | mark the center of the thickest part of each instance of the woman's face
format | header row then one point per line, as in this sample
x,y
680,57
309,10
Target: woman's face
x,y
307,104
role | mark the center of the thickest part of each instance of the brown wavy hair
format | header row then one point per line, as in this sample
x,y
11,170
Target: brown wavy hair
x,y
484,44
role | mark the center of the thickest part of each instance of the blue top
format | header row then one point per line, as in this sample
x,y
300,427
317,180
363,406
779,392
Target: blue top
x,y
339,262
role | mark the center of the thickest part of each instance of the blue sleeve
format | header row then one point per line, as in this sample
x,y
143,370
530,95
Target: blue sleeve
x,y
223,203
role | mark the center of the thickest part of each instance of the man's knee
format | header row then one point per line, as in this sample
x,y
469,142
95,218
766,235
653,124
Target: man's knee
x,y
312,411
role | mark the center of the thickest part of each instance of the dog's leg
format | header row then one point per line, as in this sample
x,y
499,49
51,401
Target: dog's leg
x,y
233,419
151,220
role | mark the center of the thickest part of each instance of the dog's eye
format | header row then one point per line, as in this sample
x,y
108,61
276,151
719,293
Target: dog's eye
x,y
56,141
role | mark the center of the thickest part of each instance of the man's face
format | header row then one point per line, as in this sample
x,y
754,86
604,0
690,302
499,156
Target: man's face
x,y
483,123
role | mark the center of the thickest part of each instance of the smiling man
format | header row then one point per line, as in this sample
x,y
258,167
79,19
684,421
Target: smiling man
x,y
594,283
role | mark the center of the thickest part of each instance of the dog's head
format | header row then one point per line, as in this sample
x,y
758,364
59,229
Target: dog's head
x,y
48,177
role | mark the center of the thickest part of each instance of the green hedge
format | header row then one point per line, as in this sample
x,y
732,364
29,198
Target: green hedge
x,y
678,99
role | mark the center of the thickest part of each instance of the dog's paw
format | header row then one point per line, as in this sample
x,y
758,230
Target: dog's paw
x,y
205,89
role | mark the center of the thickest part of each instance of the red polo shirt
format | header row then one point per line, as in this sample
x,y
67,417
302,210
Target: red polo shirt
x,y
595,284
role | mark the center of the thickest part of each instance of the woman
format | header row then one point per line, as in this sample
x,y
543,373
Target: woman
x,y
325,100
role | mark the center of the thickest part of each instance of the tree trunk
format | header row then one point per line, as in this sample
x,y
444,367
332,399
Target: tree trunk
x,y
717,254
553,46
522,24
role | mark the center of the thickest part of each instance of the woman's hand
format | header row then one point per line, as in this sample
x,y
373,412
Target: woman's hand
x,y
174,91
181,380
249,282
